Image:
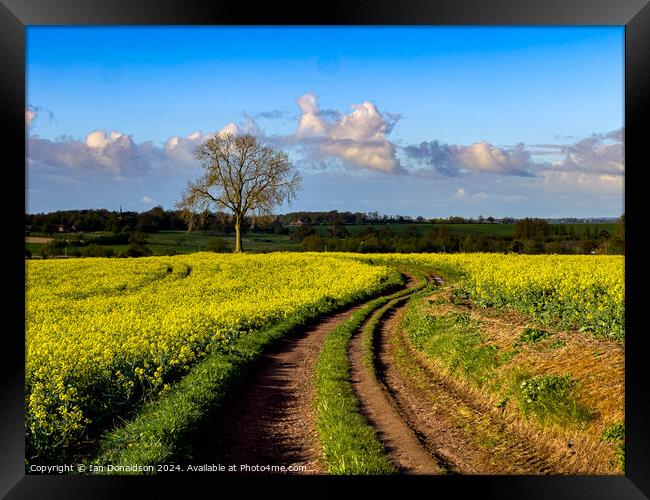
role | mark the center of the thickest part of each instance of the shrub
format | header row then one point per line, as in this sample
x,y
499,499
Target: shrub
x,y
95,250
551,399
218,245
531,336
111,239
314,243
137,247
73,252
52,248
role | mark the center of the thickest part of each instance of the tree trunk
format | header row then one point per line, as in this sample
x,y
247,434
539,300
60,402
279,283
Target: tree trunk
x,y
238,248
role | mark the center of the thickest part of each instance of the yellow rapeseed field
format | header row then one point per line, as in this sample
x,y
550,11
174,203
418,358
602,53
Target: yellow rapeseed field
x,y
579,291
101,332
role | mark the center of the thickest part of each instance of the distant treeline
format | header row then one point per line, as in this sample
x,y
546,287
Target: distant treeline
x,y
417,235
150,221
159,219
531,236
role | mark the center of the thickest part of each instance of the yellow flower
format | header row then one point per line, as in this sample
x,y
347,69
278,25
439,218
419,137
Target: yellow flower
x,y
111,322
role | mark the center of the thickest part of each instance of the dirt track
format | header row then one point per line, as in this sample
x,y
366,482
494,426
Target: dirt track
x,y
270,419
426,424
458,434
399,439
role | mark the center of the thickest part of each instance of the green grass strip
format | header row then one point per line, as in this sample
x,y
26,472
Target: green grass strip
x,y
370,328
458,345
156,435
350,445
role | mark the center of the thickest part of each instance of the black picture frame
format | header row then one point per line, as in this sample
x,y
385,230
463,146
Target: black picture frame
x,y
633,14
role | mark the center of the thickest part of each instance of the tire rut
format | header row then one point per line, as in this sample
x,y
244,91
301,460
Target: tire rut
x,y
457,433
269,420
400,441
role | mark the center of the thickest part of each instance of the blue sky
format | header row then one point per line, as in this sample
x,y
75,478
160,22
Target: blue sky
x,y
431,121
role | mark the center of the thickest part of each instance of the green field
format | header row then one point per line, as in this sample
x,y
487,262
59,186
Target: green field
x,y
163,242
398,229
183,242
490,229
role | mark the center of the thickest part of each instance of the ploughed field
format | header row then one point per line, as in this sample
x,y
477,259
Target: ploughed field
x,y
105,337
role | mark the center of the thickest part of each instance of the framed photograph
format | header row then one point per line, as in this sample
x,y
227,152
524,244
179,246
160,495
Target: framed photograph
x,y
381,243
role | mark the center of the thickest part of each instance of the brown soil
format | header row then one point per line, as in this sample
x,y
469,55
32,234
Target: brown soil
x,y
428,423
408,455
270,419
596,364
37,239
453,427
599,364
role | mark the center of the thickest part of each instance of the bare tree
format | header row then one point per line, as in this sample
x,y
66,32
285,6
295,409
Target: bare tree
x,y
240,175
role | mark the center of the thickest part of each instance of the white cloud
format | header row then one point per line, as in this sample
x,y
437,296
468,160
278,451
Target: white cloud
x,y
311,123
588,163
602,154
181,149
480,157
593,155
116,153
358,142
148,201
586,182
595,165
510,197
34,112
359,139
484,157
462,195
30,115
99,140
230,128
